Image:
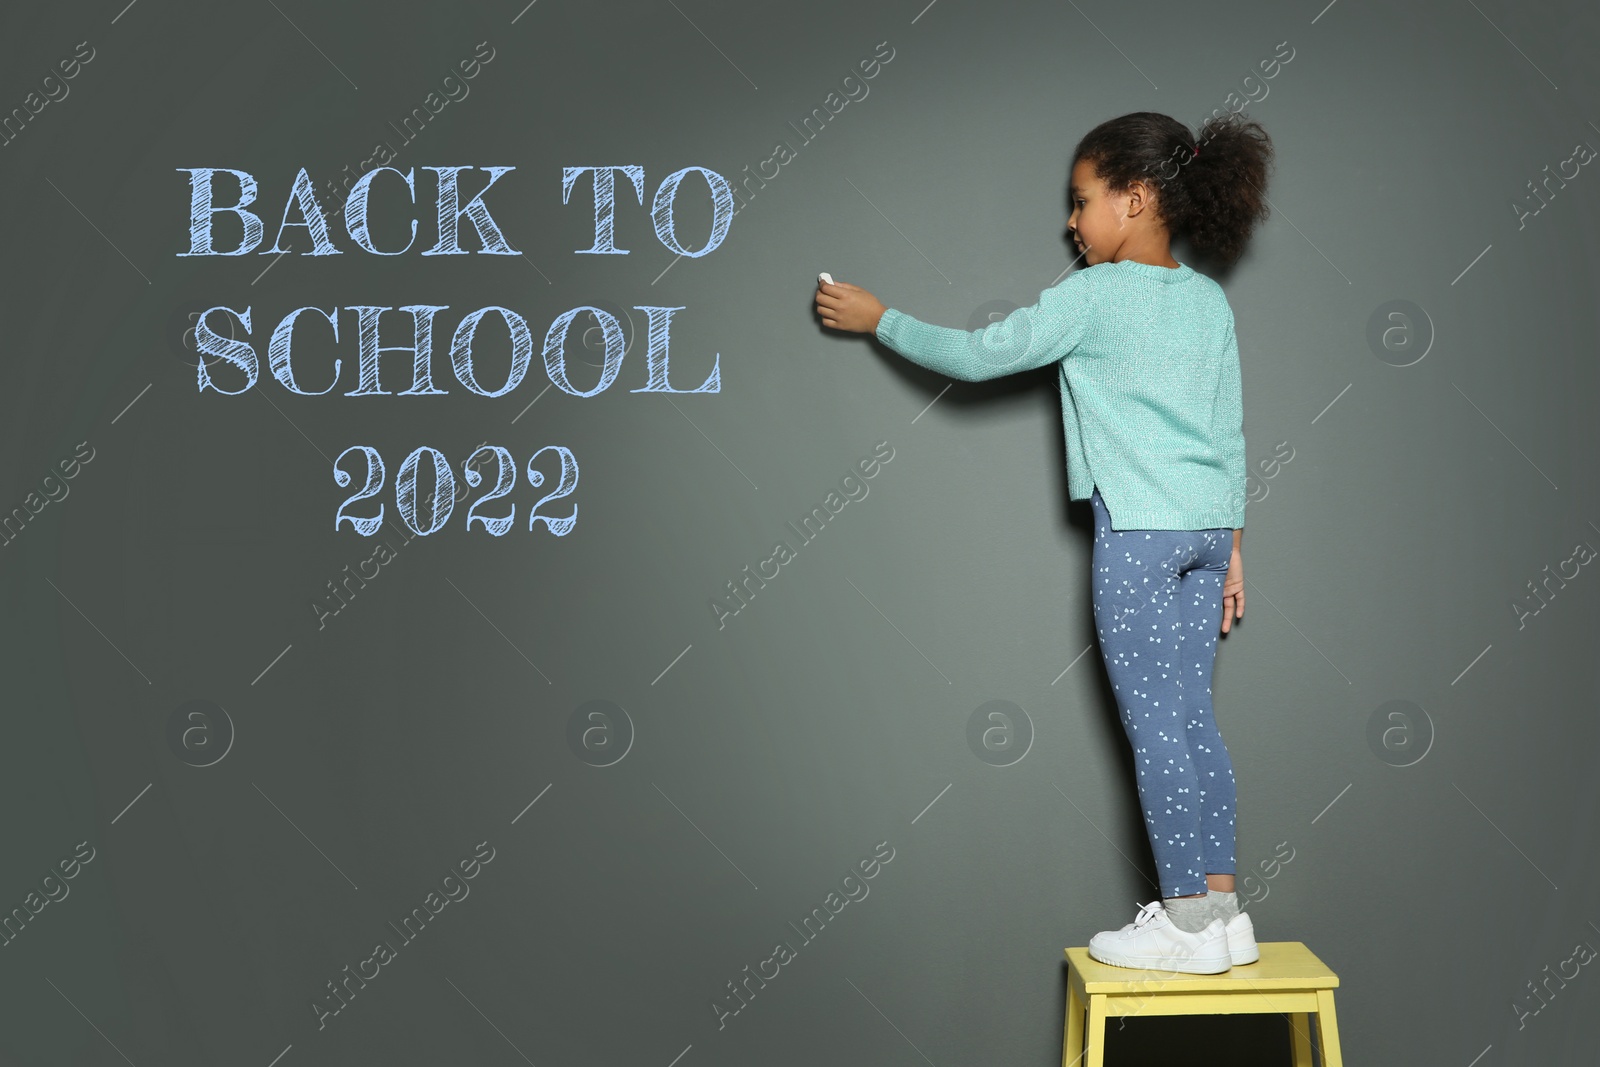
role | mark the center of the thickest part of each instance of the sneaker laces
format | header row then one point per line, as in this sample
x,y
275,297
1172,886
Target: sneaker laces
x,y
1148,912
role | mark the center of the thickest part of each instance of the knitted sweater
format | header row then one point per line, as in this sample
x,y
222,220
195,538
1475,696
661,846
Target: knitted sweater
x,y
1150,390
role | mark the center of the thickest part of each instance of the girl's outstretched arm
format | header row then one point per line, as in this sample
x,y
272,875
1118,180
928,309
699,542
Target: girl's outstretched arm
x,y
1025,339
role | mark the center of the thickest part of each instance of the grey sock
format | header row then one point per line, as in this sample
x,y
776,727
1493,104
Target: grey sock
x,y
1190,914
1223,905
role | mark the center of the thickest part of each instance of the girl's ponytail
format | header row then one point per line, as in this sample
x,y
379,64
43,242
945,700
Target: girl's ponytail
x,y
1210,186
1217,204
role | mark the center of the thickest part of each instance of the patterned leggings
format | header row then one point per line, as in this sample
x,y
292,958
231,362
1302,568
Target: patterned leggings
x,y
1157,598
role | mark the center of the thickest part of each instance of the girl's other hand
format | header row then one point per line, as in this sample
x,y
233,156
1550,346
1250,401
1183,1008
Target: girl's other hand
x,y
1233,591
848,307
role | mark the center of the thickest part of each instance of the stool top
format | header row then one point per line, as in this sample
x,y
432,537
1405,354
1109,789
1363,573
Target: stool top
x,y
1283,965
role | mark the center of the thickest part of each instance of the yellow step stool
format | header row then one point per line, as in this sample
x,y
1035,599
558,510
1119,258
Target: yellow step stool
x,y
1287,979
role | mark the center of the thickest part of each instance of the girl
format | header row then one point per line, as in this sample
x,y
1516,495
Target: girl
x,y
1152,407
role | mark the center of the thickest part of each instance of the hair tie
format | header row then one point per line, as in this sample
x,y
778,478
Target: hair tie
x,y
1196,151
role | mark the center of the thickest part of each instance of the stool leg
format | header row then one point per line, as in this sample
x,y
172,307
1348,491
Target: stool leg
x,y
1072,1048
1300,1038
1097,1032
1328,1030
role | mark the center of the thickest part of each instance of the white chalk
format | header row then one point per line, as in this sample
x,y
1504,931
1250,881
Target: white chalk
x,y
826,277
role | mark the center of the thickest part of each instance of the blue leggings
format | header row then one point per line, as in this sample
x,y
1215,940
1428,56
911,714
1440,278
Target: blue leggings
x,y
1157,598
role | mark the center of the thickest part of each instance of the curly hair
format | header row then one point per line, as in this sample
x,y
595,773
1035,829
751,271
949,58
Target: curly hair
x,y
1213,198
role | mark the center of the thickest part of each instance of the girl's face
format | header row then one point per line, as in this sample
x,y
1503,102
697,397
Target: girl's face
x,y
1098,224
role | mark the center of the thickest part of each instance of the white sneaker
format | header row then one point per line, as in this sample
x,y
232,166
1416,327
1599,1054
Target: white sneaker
x,y
1152,942
1242,939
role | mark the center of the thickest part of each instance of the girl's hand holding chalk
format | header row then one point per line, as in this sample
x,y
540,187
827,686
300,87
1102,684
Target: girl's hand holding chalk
x,y
847,307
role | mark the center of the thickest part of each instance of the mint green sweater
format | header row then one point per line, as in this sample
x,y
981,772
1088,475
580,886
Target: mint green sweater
x,y
1150,391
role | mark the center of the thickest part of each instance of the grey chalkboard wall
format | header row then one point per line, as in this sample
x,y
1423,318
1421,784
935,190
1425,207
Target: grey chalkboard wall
x,y
578,802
